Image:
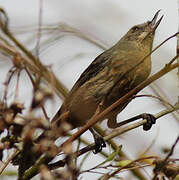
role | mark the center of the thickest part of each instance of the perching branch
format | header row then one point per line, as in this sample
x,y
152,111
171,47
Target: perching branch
x,y
118,131
168,67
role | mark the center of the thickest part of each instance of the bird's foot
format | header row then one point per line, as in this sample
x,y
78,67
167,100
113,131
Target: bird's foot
x,y
99,144
150,121
99,141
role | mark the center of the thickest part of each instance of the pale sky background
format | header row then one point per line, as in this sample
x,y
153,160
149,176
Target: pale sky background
x,y
107,21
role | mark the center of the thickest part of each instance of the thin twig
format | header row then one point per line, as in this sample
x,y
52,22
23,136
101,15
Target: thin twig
x,y
5,164
161,94
165,161
7,81
155,97
37,48
108,176
17,84
44,112
177,47
172,149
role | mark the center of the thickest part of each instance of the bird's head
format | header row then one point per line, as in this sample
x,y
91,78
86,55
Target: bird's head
x,y
144,33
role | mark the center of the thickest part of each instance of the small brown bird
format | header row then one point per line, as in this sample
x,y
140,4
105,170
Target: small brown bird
x,y
111,75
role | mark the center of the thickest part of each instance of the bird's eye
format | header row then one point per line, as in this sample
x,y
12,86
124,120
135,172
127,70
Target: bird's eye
x,y
135,28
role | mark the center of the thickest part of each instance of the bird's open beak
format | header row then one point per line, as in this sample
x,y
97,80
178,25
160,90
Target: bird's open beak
x,y
154,23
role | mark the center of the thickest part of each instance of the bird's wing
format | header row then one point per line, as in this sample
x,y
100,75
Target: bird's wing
x,y
92,70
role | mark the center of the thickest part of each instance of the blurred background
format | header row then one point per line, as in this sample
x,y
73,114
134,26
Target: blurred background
x,y
66,25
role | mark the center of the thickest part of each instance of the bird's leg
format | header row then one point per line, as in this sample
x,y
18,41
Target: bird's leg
x,y
112,123
99,141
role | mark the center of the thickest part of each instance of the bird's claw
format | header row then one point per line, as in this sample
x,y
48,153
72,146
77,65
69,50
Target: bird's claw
x,y
150,121
99,144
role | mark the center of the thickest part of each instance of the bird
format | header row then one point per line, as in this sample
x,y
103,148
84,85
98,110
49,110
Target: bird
x,y
110,76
